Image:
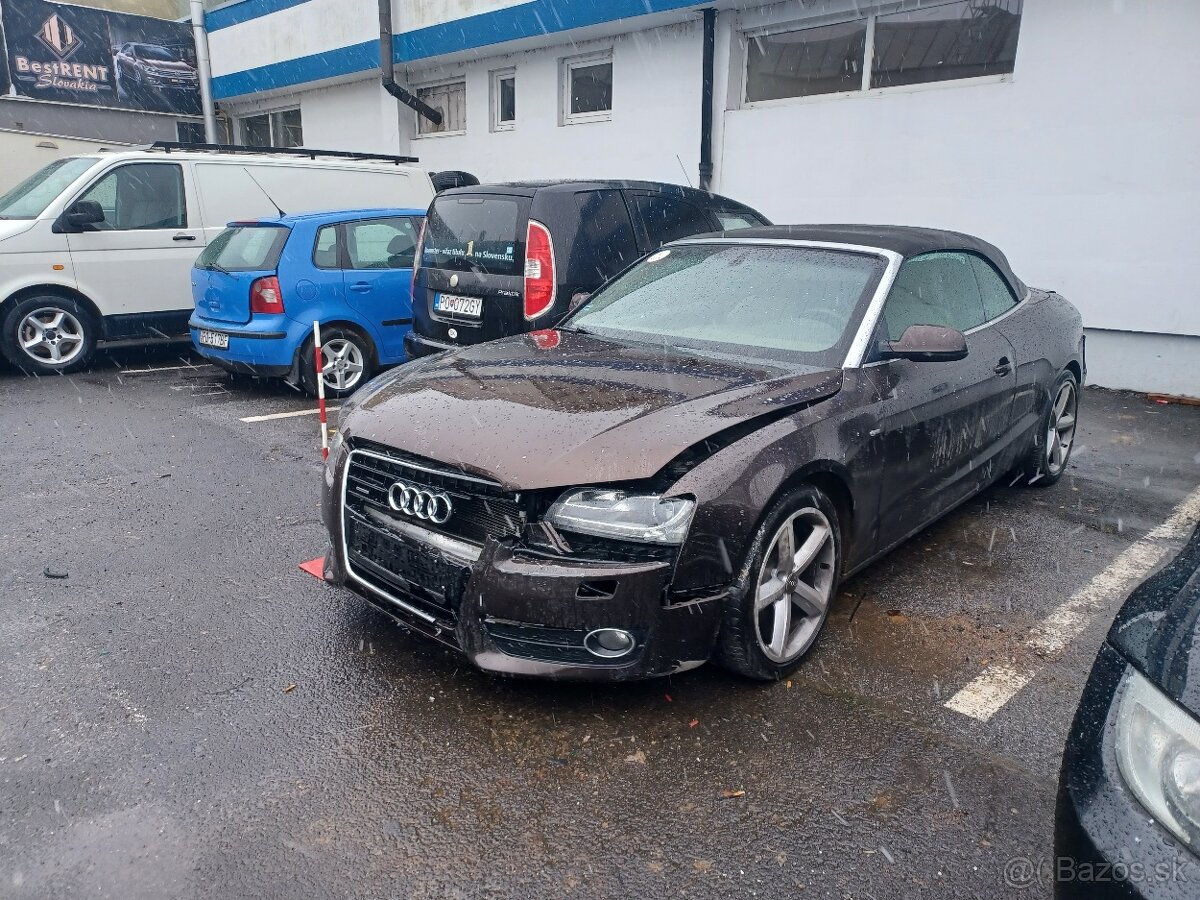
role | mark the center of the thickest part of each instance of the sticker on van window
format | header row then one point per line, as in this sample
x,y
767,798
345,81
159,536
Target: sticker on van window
x,y
655,257
469,252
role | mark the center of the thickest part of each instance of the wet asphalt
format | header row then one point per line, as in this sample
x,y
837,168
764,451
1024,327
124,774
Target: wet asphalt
x,y
187,714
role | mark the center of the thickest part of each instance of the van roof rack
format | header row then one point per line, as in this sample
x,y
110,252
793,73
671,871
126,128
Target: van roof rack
x,y
168,146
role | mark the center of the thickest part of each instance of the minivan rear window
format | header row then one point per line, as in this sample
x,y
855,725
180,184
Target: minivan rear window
x,y
245,248
475,234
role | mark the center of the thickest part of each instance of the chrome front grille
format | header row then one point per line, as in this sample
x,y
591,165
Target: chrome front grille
x,y
479,508
415,560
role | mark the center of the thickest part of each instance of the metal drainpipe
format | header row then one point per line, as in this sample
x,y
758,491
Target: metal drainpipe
x,y
706,100
204,71
387,67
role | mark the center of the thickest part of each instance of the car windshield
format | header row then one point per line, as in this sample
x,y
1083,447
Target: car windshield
x,y
245,248
29,199
160,54
788,303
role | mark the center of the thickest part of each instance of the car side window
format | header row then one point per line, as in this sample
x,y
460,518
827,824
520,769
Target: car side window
x,y
381,243
934,289
664,219
325,250
605,243
732,220
140,196
997,297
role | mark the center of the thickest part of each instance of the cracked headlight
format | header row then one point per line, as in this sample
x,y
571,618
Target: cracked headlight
x,y
1158,752
649,518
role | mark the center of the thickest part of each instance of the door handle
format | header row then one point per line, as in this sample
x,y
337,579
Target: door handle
x,y
360,287
1003,367
184,237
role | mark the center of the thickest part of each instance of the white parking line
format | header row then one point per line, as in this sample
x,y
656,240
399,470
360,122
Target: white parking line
x,y
984,696
161,369
287,415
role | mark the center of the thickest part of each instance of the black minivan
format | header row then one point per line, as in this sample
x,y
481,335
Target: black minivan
x,y
502,259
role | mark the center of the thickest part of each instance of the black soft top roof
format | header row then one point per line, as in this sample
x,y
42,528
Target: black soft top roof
x,y
906,240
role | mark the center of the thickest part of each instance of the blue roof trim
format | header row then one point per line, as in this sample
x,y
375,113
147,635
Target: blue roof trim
x,y
530,19
343,61
244,11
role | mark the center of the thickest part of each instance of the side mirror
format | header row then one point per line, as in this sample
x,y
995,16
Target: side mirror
x,y
927,343
84,212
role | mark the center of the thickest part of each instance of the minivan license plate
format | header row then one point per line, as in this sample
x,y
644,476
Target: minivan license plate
x,y
462,306
214,339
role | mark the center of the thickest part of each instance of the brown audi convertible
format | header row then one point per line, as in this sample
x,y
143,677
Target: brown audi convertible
x,y
690,463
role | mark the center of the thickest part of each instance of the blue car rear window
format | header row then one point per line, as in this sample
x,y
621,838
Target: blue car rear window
x,y
245,248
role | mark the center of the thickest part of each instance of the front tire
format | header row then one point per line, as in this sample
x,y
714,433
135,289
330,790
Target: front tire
x,y
1047,459
786,588
347,362
48,335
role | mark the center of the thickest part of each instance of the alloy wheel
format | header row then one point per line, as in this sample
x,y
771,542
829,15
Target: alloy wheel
x,y
51,336
794,585
1060,433
342,364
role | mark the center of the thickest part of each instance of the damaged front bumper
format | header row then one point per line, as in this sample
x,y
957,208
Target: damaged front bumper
x,y
517,611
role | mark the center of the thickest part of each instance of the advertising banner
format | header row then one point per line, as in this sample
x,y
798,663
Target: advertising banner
x,y
75,54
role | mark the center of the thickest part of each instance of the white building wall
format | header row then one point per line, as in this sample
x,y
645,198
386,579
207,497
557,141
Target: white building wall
x,y
654,132
321,26
1085,168
316,26
351,116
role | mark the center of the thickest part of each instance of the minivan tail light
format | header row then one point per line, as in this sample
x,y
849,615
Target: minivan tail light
x,y
539,270
265,296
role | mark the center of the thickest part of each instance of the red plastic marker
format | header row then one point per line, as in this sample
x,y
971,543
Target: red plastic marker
x,y
320,389
314,567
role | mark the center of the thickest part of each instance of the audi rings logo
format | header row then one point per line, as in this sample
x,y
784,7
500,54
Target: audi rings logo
x,y
432,506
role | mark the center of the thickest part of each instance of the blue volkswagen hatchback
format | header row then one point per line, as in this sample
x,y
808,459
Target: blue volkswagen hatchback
x,y
259,285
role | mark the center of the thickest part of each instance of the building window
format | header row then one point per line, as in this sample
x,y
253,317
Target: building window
x,y
587,83
947,41
450,100
190,132
504,100
967,39
822,60
274,129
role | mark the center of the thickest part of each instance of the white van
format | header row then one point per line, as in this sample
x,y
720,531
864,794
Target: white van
x,y
100,247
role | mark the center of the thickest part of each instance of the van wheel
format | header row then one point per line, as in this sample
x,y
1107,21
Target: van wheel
x,y
48,335
347,362
780,603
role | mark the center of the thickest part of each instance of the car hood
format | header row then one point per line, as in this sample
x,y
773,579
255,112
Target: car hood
x,y
1158,628
167,65
556,408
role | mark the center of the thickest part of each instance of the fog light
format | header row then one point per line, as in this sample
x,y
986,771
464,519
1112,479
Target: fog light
x,y
609,643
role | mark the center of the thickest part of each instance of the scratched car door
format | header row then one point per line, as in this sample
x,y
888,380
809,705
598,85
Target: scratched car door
x,y
940,423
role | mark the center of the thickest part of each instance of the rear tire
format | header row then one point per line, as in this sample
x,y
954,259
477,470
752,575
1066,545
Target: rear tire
x,y
349,362
48,334
1047,458
785,590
